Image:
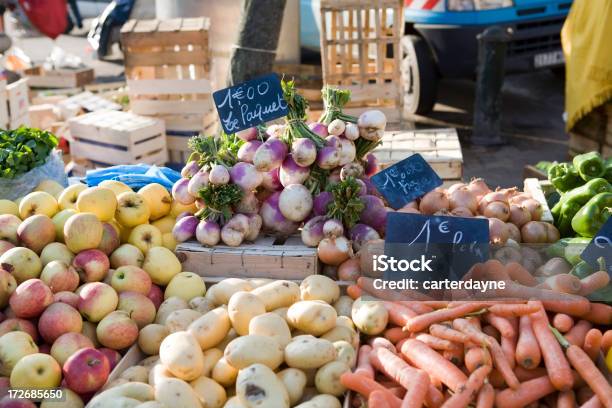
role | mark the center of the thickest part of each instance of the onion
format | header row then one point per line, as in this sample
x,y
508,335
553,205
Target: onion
x,y
351,131
456,186
413,204
490,197
336,127
534,232
247,151
219,175
248,134
498,231
333,228
478,187
519,215
552,233
245,176
433,202
334,251
497,209
271,180
361,234
319,129
353,169
295,202
180,192
371,166
462,212
519,198
190,169
304,152
409,210
185,228
273,219
312,232
255,223
514,232
208,233
349,270
534,207
292,173
462,197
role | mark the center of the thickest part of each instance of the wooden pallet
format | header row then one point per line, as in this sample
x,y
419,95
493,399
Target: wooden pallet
x,y
39,77
439,147
267,257
360,51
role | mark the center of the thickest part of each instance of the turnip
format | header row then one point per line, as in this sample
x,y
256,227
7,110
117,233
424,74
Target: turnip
x,y
371,166
304,151
199,203
255,223
336,127
292,173
271,180
246,176
248,134
295,202
373,135
197,182
371,120
351,131
185,228
182,215
208,233
249,204
218,175
180,192
321,202
352,169
334,251
363,189
270,155
372,190
333,228
328,158
273,219
235,230
247,150
362,233
190,169
333,141
334,177
374,213
347,151
319,129
312,231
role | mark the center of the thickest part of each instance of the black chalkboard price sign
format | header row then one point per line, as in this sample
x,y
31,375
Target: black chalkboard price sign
x,y
600,247
250,103
406,180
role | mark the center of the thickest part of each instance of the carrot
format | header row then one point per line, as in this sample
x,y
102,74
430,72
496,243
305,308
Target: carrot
x,y
527,349
468,391
518,273
395,334
563,282
599,313
364,367
418,307
524,374
378,399
496,379
593,282
399,315
577,334
512,310
476,357
446,332
455,355
592,402
566,399
606,341
491,331
500,323
486,396
492,270
435,343
421,322
528,392
354,291
570,304
366,386
425,358
563,322
382,342
367,284
584,394
592,343
556,364
508,346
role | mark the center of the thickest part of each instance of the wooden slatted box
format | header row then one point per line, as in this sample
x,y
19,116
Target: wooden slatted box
x,y
360,51
39,77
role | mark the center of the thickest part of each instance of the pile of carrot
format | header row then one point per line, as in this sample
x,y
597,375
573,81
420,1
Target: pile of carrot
x,y
506,354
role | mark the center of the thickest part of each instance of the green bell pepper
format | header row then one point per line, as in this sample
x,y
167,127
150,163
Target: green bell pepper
x,y
589,165
593,215
582,194
564,177
557,250
608,173
564,223
574,248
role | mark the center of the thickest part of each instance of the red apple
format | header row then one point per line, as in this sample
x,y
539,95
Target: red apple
x,y
86,370
44,348
110,239
17,324
96,300
60,276
8,402
156,295
36,232
5,246
113,356
139,307
67,344
57,319
131,278
30,298
5,385
117,330
92,265
68,298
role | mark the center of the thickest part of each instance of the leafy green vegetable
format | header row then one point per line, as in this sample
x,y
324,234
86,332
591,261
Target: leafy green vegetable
x,y
209,150
219,200
24,149
346,205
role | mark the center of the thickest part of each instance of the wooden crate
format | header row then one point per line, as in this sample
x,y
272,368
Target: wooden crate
x,y
360,51
14,104
180,128
439,147
113,137
308,80
267,257
39,77
533,186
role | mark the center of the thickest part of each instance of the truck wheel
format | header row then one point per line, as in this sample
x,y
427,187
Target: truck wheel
x,y
419,75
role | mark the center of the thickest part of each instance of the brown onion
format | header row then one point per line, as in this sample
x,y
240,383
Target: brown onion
x,y
433,202
478,187
535,208
519,215
463,197
552,233
443,212
519,198
534,232
409,210
497,209
334,251
462,212
412,204
349,270
514,232
498,231
455,187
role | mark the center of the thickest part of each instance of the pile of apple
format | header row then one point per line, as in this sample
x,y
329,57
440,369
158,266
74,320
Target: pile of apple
x,y
82,269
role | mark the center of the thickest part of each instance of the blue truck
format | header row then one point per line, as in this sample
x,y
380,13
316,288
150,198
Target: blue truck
x,y
440,39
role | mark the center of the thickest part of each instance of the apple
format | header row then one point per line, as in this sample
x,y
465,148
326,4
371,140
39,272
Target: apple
x,y
113,356
15,324
116,186
30,298
13,347
60,276
86,371
9,224
185,285
110,239
22,263
56,251
44,348
150,338
96,300
156,295
50,186
131,278
38,202
161,264
5,246
92,265
5,385
8,402
9,207
132,209
99,201
89,331
124,234
8,284
168,241
145,237
126,254
109,277
117,330
164,224
177,208
83,231
36,371
158,199
67,344
58,319
36,232
66,297
59,220
139,308
71,400
68,198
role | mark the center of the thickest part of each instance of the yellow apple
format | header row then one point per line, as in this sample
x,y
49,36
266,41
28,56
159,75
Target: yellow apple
x,y
22,263
56,251
158,199
185,285
99,201
168,241
145,237
132,209
71,400
116,186
59,220
68,197
126,254
177,208
50,186
9,207
14,346
37,370
164,224
161,264
83,231
38,202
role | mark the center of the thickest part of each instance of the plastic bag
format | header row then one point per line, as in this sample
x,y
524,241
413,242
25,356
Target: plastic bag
x,y
53,169
135,176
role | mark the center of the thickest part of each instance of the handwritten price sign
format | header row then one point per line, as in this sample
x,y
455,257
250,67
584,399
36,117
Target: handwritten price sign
x,y
250,103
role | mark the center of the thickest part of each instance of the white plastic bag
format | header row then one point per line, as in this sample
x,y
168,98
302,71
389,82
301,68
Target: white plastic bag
x,y
53,169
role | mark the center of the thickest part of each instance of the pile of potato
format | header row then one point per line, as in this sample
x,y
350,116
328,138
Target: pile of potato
x,y
245,343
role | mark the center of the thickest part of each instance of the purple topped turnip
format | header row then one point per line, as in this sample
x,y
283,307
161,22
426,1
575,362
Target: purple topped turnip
x,y
248,134
333,228
247,150
235,230
219,175
351,131
374,213
312,231
271,180
185,228
208,233
336,127
190,169
295,202
304,152
352,169
372,120
328,158
255,223
334,177
362,233
292,173
347,151
273,219
371,166
275,131
371,188
180,192
270,155
363,189
248,205
199,180
246,176
321,202
318,128
182,215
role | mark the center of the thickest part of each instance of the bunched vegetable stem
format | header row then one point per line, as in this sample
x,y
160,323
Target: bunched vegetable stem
x,y
296,126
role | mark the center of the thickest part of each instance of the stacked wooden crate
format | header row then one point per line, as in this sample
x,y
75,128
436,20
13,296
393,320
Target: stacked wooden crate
x,y
167,67
360,51
593,133
40,77
14,104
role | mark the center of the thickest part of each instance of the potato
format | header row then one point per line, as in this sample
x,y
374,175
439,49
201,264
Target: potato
x,y
345,353
345,321
176,393
231,335
114,383
168,306
149,361
327,379
221,292
223,373
181,353
150,338
309,352
343,306
310,377
319,287
201,304
370,316
280,293
242,307
321,401
151,404
310,391
342,333
258,386
282,312
257,282
211,328
294,381
133,390
271,325
157,373
185,285
136,374
211,394
246,350
312,316
114,402
211,356
179,320
234,402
